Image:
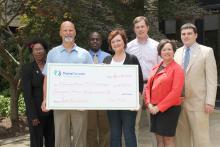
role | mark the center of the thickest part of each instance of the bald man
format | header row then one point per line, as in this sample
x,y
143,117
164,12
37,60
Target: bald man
x,y
65,120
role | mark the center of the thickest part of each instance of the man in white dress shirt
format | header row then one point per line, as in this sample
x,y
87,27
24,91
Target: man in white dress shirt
x,y
145,49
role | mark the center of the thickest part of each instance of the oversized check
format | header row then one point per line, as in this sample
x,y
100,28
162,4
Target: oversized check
x,y
92,87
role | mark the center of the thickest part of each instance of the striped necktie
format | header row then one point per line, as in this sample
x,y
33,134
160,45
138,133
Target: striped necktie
x,y
95,59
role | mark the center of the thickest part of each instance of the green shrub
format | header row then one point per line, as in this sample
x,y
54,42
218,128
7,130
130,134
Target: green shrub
x,y
5,106
21,106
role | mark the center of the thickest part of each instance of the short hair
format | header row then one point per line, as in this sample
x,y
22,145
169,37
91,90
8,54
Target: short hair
x,y
91,33
163,42
140,18
188,26
115,32
35,41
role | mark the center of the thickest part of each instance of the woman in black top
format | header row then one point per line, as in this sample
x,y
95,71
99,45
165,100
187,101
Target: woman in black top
x,y
122,120
41,124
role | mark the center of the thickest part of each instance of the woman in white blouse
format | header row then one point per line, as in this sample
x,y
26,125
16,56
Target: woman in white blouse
x,y
122,120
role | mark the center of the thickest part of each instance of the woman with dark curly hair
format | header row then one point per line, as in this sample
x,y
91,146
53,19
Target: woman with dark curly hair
x,y
41,124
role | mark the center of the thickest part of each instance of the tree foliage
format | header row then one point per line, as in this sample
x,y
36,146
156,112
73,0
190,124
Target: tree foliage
x,y
100,15
180,9
11,48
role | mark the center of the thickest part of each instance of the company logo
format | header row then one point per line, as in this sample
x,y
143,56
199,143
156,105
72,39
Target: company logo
x,y
60,73
57,73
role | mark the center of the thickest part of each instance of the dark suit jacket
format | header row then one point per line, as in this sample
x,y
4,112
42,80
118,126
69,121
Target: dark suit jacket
x,y
32,84
132,60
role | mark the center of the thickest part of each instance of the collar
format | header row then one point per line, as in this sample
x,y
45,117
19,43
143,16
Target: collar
x,y
143,42
93,53
158,65
170,64
74,48
191,47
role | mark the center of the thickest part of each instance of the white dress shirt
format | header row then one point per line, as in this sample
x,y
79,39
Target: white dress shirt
x,y
146,53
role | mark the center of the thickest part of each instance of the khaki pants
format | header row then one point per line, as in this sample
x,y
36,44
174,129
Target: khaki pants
x,y
67,120
138,117
193,129
98,129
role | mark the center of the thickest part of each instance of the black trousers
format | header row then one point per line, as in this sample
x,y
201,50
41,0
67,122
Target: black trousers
x,y
43,133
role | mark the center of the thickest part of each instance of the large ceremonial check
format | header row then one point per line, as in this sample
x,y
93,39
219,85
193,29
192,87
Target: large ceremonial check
x,y
92,87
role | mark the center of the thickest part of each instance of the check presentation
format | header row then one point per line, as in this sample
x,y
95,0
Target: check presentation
x,y
92,87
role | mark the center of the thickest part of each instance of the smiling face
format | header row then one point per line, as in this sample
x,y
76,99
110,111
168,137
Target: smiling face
x,y
188,37
38,52
67,32
95,41
167,52
117,44
141,29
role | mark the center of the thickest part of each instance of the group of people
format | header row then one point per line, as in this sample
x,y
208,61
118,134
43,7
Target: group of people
x,y
177,88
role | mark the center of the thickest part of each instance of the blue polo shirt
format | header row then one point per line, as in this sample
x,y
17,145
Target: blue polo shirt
x,y
59,54
100,54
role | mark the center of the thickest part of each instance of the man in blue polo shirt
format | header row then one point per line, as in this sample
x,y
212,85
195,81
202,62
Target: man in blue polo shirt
x,y
65,120
98,127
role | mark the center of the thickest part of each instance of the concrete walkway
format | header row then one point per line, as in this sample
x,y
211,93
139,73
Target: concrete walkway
x,y
146,138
